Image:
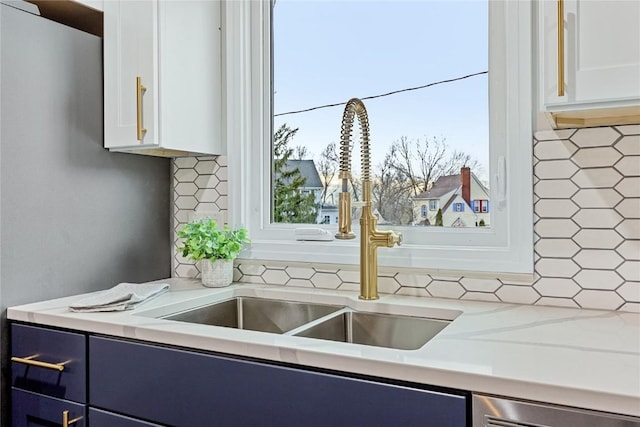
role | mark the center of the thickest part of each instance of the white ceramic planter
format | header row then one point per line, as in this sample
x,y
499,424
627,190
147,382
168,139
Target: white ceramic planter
x,y
217,273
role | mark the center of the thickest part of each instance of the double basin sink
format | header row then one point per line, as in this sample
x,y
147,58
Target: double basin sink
x,y
320,321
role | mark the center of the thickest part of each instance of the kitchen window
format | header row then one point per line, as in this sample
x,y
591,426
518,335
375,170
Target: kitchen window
x,y
505,247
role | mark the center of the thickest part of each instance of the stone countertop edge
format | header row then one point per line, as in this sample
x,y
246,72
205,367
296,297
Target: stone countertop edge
x,y
580,358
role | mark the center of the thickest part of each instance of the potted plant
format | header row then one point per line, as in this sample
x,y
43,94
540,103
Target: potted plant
x,y
216,249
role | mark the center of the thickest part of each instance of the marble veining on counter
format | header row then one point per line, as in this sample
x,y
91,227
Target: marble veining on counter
x,y
582,358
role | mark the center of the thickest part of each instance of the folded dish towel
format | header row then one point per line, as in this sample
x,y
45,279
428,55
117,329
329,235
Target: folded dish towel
x,y
124,296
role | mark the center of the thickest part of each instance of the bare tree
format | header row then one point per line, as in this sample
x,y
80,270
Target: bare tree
x,y
422,162
455,161
300,152
328,165
411,167
391,192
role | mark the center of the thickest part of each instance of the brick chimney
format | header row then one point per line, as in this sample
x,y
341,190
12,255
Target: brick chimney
x,y
465,180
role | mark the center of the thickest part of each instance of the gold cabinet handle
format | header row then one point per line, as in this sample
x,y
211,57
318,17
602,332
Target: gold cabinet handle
x,y
139,91
66,422
30,360
560,47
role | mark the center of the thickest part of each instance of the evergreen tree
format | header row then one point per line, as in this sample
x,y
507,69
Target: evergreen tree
x,y
290,204
439,222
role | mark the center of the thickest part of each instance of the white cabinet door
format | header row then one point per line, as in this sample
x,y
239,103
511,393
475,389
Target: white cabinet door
x,y
174,47
130,50
190,76
601,53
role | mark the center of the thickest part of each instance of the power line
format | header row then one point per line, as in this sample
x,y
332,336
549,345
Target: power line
x,y
337,104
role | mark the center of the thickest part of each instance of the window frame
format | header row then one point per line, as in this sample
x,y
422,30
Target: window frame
x,y
505,247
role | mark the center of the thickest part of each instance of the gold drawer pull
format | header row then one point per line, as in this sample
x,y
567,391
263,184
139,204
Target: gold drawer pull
x,y
560,47
66,422
30,360
139,91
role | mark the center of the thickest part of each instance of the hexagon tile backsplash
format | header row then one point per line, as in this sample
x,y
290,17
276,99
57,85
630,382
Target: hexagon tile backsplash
x,y
586,226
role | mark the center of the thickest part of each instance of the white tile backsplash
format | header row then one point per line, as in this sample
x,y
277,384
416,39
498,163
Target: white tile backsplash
x,y
596,157
556,169
599,300
326,280
442,289
630,249
555,208
629,166
597,198
595,137
630,291
518,294
550,150
629,187
597,238
556,287
300,272
598,279
587,229
555,189
480,285
596,178
629,145
277,277
557,248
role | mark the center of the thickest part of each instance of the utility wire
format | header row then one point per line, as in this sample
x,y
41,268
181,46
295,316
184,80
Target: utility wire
x,y
455,79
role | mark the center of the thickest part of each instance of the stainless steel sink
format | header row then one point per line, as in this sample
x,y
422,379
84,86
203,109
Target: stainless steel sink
x,y
256,314
381,330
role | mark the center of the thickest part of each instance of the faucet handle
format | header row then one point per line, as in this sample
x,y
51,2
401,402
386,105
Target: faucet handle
x,y
397,238
392,238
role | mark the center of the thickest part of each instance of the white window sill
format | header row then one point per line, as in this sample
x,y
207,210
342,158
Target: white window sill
x,y
472,259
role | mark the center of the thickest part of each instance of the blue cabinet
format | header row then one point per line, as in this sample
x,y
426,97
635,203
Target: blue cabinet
x,y
30,409
107,382
186,388
48,377
49,362
98,418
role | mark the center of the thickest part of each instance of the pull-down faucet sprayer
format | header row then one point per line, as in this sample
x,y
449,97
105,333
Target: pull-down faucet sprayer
x,y
370,237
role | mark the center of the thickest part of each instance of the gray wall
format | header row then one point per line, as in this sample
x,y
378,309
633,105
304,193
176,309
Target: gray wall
x,y
74,217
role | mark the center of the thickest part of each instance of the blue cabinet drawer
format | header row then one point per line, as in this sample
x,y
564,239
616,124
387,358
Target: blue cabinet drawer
x,y
98,418
49,362
30,409
184,388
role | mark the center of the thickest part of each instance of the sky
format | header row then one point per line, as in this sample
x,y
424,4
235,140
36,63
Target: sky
x,y
330,51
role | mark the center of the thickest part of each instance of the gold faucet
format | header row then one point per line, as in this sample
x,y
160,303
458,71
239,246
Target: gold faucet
x,y
370,237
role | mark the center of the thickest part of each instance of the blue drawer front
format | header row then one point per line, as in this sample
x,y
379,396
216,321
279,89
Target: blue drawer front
x,y
98,418
184,388
52,347
32,409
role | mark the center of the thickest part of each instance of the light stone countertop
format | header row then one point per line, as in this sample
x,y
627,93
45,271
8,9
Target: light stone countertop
x,y
582,358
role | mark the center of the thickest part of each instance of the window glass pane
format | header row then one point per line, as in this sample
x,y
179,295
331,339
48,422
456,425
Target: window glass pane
x,y
326,52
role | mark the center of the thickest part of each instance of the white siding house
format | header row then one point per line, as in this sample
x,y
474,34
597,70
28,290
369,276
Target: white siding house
x,y
464,201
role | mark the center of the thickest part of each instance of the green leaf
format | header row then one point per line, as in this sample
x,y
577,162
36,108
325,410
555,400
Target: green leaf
x,y
204,240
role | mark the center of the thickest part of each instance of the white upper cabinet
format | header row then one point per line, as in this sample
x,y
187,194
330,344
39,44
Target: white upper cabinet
x,y
590,54
162,77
